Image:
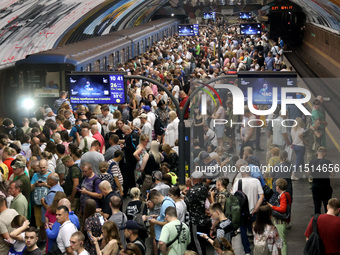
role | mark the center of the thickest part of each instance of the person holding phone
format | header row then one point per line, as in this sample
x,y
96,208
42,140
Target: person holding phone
x,y
92,225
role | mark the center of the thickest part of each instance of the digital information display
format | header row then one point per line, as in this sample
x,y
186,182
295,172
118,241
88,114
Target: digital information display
x,y
263,84
209,15
97,88
245,15
250,29
188,30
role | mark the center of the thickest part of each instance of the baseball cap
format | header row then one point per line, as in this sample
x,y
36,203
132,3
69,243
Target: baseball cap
x,y
130,224
143,115
204,155
146,108
17,164
197,175
322,149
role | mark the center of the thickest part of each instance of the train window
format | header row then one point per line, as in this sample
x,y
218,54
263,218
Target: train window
x,y
122,56
117,58
138,49
143,46
96,65
103,67
111,59
149,40
128,52
89,67
81,69
52,80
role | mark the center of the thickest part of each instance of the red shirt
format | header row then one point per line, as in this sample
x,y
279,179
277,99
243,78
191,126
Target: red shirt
x,y
181,104
329,232
100,138
8,162
283,203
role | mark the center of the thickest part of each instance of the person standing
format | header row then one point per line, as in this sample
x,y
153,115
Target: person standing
x,y
66,229
19,171
94,157
6,217
321,185
31,239
175,235
19,202
328,226
77,243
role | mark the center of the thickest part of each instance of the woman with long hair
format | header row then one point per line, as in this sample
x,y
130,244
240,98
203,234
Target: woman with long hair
x,y
65,141
92,225
133,103
50,162
266,236
111,244
50,219
298,145
151,162
222,246
140,152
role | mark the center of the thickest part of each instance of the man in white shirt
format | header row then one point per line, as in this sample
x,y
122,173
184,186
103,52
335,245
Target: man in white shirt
x,y
66,230
77,243
106,118
253,189
210,136
151,115
280,132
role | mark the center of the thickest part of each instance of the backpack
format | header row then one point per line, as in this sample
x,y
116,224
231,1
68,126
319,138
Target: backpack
x,y
314,245
261,246
86,147
139,219
159,126
232,209
40,192
243,203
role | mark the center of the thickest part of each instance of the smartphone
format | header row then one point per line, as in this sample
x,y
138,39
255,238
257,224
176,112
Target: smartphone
x,y
101,219
199,233
91,238
77,188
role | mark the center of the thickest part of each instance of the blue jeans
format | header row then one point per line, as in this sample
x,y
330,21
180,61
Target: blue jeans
x,y
244,236
300,153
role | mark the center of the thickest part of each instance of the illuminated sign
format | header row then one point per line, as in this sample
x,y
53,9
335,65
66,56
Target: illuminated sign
x,y
282,8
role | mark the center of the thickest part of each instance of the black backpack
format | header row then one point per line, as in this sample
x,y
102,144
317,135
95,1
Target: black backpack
x,y
159,126
314,245
243,202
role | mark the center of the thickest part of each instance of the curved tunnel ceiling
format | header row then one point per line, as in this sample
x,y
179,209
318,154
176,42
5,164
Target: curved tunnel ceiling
x,y
322,12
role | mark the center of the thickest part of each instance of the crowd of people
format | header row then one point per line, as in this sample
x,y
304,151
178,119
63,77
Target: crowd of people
x,y
66,172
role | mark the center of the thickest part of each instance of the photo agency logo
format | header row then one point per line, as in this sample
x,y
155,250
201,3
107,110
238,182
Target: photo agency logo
x,y
239,100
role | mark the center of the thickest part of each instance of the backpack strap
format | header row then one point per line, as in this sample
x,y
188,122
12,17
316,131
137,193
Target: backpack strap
x,y
178,234
85,146
315,223
239,185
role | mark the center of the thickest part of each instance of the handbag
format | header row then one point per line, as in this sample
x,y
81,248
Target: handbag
x,y
281,216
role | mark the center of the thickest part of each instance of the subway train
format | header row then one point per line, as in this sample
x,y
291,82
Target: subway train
x,y
39,78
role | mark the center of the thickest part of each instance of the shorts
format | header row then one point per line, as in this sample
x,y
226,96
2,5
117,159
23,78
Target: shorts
x,y
37,216
219,130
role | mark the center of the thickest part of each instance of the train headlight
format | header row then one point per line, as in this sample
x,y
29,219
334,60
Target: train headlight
x,y
28,103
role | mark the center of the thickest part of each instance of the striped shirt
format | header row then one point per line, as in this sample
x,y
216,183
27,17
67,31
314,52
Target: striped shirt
x,y
115,171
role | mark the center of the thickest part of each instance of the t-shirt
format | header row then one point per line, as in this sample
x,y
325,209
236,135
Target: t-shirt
x,y
170,232
252,188
19,203
37,251
133,208
84,252
94,158
73,173
296,140
106,203
167,201
320,171
26,186
120,219
329,232
181,209
65,232
278,130
6,218
224,229
92,185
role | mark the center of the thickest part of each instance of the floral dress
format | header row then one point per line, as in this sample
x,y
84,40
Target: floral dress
x,y
92,224
273,239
